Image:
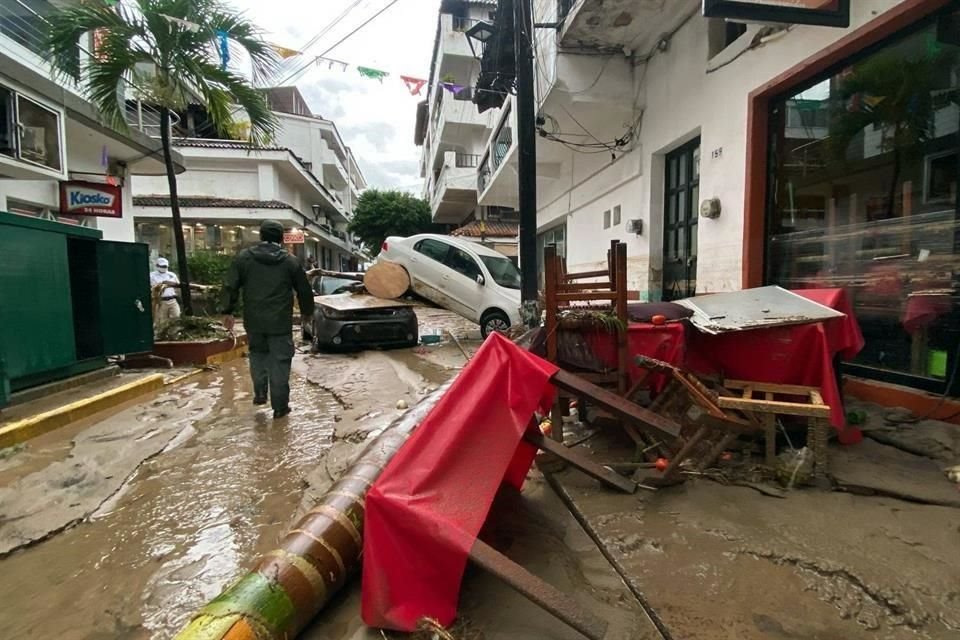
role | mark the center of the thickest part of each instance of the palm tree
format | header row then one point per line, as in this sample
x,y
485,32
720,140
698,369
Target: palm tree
x,y
167,51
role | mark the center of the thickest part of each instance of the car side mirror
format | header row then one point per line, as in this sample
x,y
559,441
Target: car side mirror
x,y
480,280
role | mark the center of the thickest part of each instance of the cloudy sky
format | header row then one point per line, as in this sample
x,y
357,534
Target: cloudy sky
x,y
376,120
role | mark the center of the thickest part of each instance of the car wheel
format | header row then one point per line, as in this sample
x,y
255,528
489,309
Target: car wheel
x,y
494,322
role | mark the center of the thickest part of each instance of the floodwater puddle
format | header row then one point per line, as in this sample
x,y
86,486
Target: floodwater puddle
x,y
186,523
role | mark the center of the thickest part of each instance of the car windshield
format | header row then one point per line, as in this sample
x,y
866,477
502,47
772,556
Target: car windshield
x,y
503,271
328,286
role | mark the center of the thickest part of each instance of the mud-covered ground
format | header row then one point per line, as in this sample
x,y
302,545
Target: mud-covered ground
x,y
878,557
120,527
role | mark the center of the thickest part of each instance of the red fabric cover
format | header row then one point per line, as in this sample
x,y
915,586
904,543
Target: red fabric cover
x,y
425,510
923,311
843,333
666,343
801,354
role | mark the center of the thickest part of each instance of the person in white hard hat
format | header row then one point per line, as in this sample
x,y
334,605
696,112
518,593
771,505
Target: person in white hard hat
x,y
167,307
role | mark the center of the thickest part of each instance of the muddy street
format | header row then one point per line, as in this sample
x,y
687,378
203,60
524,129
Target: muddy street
x,y
122,526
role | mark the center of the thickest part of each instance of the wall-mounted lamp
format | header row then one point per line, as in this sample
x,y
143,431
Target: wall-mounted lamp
x,y
710,208
480,32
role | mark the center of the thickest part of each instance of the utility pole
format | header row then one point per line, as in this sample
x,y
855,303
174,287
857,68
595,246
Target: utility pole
x,y
527,153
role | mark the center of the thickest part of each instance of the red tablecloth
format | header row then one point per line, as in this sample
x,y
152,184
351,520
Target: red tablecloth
x,y
801,354
424,512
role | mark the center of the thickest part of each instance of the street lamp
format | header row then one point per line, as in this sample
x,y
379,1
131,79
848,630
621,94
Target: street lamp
x,y
481,32
316,211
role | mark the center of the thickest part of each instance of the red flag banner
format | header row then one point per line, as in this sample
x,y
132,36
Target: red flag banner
x,y
414,85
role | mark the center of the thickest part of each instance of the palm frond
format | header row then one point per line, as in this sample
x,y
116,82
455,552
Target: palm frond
x,y
223,84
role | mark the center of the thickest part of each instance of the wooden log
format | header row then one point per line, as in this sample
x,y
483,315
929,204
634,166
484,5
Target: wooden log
x,y
386,280
312,273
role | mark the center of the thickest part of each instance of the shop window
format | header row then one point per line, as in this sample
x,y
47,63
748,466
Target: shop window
x,y
940,180
39,129
863,195
29,131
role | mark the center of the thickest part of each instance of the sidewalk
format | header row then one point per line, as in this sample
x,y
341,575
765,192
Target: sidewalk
x,y
42,409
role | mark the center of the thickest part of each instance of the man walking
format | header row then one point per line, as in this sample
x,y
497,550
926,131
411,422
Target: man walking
x,y
268,276
166,308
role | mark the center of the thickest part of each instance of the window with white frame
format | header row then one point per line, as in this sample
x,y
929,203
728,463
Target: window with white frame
x,y
29,131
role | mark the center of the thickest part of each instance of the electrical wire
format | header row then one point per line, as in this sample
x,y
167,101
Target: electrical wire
x,y
295,74
312,41
325,30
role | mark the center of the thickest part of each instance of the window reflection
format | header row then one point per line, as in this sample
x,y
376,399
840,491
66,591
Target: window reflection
x,y
864,196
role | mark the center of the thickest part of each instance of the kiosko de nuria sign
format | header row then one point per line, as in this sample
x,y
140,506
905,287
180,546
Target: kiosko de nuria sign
x,y
825,13
90,199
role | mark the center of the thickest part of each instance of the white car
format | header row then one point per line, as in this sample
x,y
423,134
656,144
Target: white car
x,y
478,283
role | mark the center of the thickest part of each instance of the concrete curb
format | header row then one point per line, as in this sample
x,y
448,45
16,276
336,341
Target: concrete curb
x,y
28,428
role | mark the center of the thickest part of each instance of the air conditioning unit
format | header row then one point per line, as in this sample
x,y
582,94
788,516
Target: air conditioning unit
x,y
32,143
635,226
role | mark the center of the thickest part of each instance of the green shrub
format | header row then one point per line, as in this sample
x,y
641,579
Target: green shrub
x,y
208,267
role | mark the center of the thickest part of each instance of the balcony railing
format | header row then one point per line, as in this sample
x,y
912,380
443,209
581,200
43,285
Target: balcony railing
x,y
483,174
26,23
462,25
501,146
467,160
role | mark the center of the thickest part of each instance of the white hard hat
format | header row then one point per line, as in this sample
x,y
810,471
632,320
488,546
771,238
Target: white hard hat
x,y
162,262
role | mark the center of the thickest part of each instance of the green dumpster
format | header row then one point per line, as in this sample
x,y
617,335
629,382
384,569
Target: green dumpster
x,y
68,300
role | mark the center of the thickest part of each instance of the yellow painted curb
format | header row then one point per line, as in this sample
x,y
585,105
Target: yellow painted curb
x,y
228,356
185,377
23,430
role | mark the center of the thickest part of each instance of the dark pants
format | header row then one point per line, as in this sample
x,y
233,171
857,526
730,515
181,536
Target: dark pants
x,y
270,358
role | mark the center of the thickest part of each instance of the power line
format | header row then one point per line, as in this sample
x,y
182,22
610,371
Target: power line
x,y
307,64
316,38
312,41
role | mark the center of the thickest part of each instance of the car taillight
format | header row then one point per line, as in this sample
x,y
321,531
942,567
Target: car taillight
x,y
384,247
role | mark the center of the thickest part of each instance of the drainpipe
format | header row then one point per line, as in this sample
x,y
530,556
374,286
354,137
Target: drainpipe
x,y
292,583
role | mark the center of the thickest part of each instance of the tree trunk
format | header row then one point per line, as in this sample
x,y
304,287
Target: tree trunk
x,y
182,270
892,196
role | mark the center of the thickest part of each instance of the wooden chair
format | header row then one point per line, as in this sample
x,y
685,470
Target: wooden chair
x,y
600,290
765,401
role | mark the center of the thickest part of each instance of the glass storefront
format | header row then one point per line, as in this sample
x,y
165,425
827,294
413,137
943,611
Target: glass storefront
x,y
226,238
863,196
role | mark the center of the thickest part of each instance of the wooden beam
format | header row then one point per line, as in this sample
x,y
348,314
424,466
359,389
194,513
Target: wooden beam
x,y
587,274
537,591
785,389
773,406
585,296
581,462
656,425
584,286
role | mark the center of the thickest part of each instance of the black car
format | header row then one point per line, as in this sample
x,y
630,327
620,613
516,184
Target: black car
x,y
379,325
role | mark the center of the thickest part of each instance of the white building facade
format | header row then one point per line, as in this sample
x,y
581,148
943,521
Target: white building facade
x,y
736,154
453,134
308,180
50,134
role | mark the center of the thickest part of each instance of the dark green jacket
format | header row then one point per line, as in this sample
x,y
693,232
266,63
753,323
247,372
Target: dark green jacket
x,y
268,276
